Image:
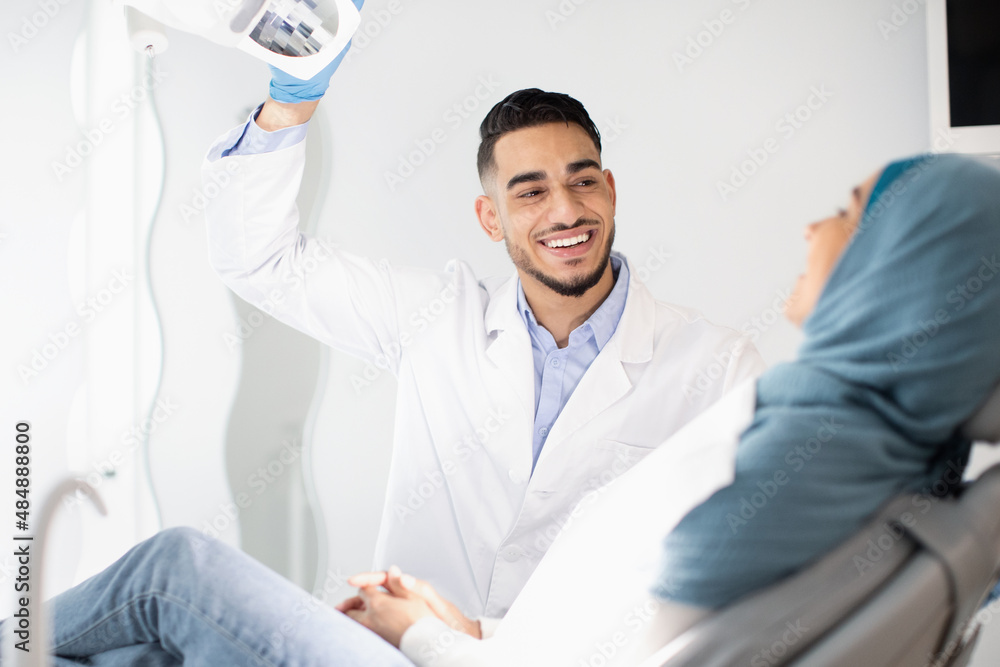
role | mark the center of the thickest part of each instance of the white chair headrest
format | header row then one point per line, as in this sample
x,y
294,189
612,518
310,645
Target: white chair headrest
x,y
985,424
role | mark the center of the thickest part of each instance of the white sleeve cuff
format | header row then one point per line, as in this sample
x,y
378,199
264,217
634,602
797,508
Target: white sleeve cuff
x,y
430,642
488,626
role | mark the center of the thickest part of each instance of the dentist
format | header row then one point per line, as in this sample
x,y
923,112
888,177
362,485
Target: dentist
x,y
521,394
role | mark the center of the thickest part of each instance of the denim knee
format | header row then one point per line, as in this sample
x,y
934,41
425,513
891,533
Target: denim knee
x,y
182,541
180,536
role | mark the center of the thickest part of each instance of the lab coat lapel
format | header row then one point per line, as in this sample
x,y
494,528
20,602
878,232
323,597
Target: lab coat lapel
x,y
510,349
607,380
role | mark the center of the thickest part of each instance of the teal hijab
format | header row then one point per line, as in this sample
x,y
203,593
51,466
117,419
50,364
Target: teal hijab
x,y
901,348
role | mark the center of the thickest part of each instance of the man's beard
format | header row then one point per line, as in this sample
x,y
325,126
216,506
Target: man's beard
x,y
576,287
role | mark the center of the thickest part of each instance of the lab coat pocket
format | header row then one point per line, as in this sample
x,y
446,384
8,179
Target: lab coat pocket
x,y
621,456
580,480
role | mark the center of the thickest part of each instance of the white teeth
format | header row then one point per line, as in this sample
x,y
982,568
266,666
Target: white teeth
x,y
565,243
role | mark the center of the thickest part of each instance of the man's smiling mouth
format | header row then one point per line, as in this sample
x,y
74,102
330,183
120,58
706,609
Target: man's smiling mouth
x,y
570,241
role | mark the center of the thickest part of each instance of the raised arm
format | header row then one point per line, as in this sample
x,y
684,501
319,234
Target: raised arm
x,y
352,303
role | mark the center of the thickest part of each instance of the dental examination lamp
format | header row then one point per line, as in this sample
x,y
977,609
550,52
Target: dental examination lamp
x,y
300,37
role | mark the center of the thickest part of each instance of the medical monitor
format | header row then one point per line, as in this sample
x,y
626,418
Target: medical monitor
x,y
963,52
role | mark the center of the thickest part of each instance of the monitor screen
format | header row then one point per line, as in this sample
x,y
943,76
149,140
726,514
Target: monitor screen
x,y
974,62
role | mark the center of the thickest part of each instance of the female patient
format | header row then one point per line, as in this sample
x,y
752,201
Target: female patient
x,y
900,314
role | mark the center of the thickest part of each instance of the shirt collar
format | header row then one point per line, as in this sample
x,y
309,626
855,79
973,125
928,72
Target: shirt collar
x,y
603,322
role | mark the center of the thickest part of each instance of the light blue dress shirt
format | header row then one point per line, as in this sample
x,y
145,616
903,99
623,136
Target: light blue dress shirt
x,y
557,371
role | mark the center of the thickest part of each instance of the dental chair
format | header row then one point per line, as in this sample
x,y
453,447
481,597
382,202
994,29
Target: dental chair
x,y
915,597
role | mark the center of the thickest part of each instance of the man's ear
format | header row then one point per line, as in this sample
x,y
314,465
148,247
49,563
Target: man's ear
x,y
489,218
609,178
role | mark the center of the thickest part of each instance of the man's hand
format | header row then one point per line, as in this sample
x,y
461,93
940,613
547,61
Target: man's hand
x,y
292,100
408,587
383,613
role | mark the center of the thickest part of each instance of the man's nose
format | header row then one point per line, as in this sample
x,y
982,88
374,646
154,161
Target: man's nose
x,y
566,206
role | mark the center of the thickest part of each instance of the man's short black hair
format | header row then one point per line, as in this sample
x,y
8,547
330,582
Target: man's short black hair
x,y
528,108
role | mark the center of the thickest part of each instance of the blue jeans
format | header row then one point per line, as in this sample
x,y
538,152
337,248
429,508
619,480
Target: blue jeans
x,y
183,598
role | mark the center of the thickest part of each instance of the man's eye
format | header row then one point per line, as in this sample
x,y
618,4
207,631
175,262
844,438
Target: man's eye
x,y
587,181
529,193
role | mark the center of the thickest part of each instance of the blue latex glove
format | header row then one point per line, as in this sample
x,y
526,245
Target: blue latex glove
x,y
286,88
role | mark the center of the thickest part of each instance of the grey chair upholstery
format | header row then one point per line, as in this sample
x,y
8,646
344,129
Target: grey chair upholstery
x,y
903,591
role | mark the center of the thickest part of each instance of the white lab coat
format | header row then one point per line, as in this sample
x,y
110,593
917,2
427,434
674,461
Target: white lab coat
x,y
589,600
463,509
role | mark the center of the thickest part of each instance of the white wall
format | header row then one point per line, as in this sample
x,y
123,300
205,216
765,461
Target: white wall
x,y
49,252
36,217
670,136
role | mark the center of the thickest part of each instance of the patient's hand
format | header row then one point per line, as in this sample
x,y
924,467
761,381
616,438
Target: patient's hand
x,y
407,587
385,614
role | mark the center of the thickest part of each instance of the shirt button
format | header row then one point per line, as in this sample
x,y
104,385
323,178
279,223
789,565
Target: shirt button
x,y
511,554
555,362
543,431
514,477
